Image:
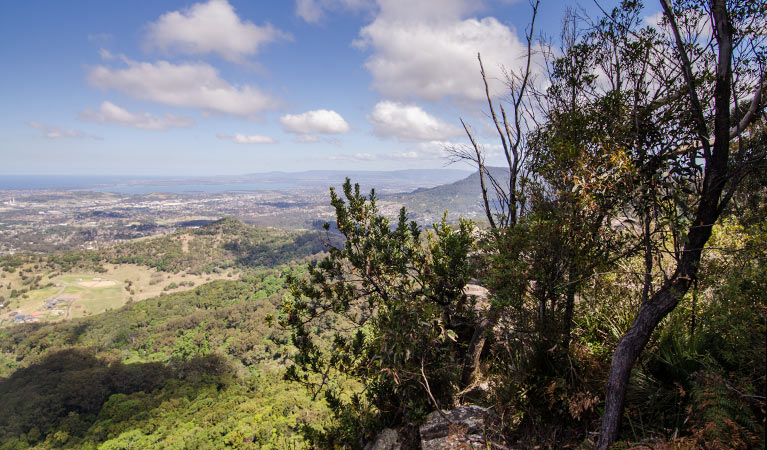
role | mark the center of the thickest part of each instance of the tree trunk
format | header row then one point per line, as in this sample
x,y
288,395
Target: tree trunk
x,y
716,175
664,300
476,345
627,352
567,321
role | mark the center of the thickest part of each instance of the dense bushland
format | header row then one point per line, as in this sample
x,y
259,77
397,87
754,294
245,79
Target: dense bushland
x,y
224,244
194,368
624,254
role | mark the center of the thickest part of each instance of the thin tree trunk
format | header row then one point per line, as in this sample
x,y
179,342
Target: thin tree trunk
x,y
476,345
569,308
716,175
627,352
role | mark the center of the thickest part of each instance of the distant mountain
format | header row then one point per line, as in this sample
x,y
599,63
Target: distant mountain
x,y
462,198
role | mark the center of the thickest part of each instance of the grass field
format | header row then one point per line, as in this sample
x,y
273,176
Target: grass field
x,y
90,294
85,294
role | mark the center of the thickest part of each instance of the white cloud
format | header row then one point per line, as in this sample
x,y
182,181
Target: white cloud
x,y
321,121
702,30
106,54
307,139
436,149
313,11
654,20
354,157
110,113
402,155
211,27
364,156
408,123
427,49
191,85
246,139
52,132
441,149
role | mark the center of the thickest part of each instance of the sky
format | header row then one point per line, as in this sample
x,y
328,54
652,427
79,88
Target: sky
x,y
220,87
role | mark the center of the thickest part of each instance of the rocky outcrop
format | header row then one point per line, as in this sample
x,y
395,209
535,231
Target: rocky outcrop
x,y
464,428
460,428
480,294
387,439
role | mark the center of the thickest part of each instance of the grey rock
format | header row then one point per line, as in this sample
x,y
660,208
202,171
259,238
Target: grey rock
x,y
481,296
462,427
387,439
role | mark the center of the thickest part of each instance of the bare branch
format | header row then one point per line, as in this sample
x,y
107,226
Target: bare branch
x,y
481,168
697,109
757,104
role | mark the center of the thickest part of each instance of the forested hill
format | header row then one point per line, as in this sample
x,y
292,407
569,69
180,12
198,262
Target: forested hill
x,y
221,244
197,368
462,198
180,370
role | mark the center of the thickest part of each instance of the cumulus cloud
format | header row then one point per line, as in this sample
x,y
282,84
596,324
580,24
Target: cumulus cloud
x,y
313,11
246,139
322,121
408,123
190,85
52,132
211,27
110,113
427,49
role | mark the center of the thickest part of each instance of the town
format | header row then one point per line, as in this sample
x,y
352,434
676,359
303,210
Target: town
x,y
46,221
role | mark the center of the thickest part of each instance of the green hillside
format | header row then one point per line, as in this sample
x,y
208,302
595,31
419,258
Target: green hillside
x,y
462,198
224,243
195,368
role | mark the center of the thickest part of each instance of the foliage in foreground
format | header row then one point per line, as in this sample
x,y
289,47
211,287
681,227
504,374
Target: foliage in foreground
x,y
403,321
72,399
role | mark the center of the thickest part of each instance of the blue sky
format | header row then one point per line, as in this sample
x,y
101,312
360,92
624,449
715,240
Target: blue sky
x,y
170,87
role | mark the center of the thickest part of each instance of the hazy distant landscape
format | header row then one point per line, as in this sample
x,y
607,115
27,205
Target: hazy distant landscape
x,y
385,181
76,213
383,225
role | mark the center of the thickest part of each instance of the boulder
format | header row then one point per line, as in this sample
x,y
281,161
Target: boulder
x,y
480,294
387,439
460,428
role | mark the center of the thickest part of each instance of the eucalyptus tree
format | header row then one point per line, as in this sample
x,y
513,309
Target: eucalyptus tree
x,y
647,130
694,89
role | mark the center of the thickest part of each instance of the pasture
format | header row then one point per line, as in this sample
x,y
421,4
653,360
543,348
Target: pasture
x,y
79,294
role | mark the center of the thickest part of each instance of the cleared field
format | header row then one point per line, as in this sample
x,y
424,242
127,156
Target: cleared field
x,y
72,295
88,294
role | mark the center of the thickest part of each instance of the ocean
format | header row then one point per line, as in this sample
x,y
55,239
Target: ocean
x,y
131,185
